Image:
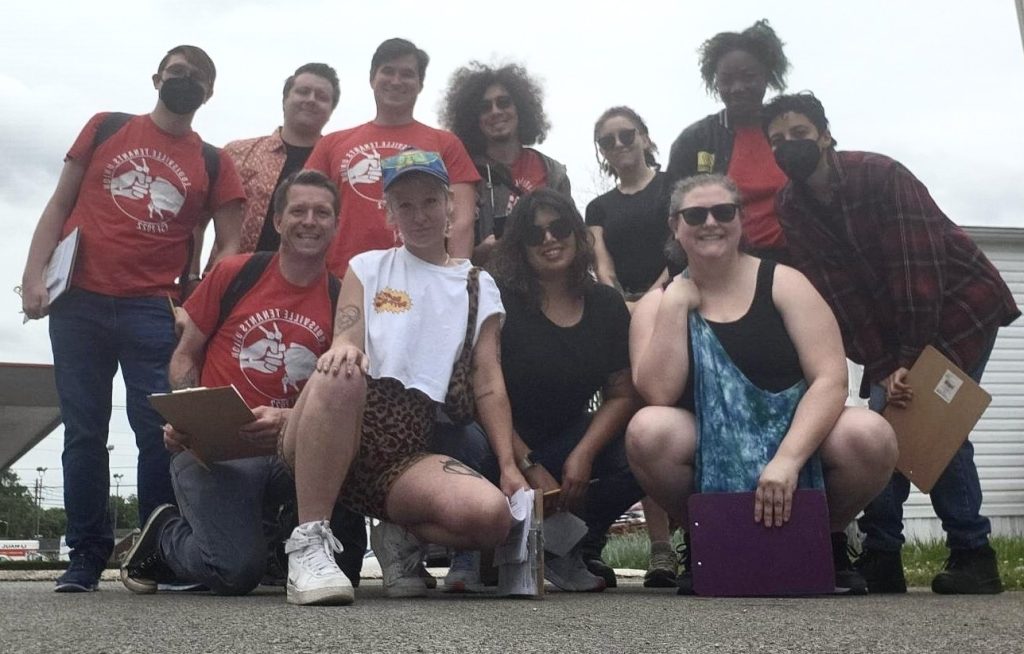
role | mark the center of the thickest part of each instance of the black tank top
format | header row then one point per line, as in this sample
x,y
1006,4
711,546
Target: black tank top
x,y
757,343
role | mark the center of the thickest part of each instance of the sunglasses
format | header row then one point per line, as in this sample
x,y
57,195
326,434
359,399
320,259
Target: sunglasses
x,y
626,138
559,228
502,102
695,216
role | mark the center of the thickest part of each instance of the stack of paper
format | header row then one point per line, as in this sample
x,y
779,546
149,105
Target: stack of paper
x,y
519,559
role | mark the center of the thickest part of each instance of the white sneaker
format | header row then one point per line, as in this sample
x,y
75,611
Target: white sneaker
x,y
398,553
313,575
570,573
464,574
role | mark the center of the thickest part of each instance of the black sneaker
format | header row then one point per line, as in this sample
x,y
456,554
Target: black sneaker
x,y
848,580
882,570
969,572
82,575
599,568
143,568
684,579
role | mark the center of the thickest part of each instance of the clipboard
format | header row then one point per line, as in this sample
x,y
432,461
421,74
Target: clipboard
x,y
61,265
733,556
212,416
947,404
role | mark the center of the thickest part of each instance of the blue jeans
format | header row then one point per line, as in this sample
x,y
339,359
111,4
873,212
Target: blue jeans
x,y
956,496
92,335
220,539
612,494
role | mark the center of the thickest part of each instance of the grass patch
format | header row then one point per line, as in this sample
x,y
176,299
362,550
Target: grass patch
x,y
921,560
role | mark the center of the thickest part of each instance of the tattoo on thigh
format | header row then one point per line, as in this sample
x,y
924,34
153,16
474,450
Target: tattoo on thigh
x,y
456,467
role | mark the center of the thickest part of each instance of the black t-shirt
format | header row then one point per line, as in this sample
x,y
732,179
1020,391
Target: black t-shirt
x,y
758,343
294,161
551,372
635,232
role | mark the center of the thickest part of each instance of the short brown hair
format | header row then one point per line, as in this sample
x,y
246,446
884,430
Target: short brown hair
x,y
195,56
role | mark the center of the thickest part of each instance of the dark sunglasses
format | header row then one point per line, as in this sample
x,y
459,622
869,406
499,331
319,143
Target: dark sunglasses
x,y
502,102
626,138
559,228
694,216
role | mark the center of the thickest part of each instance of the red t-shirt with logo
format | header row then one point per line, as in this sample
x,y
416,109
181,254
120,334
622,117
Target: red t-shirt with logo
x,y
755,172
143,192
528,173
351,158
269,344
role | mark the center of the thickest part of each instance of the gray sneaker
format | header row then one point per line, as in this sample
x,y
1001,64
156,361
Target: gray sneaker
x,y
398,553
464,574
569,573
663,567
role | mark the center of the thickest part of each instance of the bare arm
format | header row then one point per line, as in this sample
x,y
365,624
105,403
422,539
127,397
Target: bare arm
x,y
35,301
605,264
815,335
348,347
227,226
492,405
659,341
618,405
186,364
460,238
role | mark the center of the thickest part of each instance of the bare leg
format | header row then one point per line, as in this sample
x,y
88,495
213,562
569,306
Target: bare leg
x,y
441,500
858,456
661,443
322,439
657,521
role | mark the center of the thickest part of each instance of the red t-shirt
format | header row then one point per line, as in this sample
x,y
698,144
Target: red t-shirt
x,y
269,344
143,192
352,159
755,172
528,173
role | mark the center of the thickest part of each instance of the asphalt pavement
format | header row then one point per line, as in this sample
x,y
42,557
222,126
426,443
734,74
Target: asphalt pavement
x,y
628,619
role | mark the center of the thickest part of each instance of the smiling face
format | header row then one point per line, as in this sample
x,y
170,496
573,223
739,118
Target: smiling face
x,y
420,206
553,256
396,84
741,81
620,156
499,119
309,103
710,239
308,222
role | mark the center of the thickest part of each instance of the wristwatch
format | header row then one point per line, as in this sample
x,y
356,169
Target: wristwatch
x,y
526,462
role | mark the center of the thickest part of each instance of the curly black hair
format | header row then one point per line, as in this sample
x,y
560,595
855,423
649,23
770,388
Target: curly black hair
x,y
509,264
460,109
629,114
804,103
759,40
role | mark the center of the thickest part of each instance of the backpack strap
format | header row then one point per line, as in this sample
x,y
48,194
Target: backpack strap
x,y
109,126
244,280
250,273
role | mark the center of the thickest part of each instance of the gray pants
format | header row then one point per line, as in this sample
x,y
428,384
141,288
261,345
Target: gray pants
x,y
220,540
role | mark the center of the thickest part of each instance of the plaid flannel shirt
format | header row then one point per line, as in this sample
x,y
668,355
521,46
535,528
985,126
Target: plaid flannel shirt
x,y
900,275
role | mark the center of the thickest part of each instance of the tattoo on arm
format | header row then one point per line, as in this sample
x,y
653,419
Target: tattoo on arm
x,y
456,467
348,316
483,395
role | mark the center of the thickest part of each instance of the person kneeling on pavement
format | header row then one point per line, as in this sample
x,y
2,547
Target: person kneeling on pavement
x,y
265,340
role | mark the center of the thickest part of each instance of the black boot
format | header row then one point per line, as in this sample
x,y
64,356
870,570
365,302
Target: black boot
x,y
882,570
969,572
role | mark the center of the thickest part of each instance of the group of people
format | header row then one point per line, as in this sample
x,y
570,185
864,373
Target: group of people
x,y
423,324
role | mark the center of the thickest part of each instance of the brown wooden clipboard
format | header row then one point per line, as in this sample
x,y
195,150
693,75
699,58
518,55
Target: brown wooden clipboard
x,y
212,417
947,404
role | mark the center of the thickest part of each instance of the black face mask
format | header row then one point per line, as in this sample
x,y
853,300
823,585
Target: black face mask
x,y
798,158
182,95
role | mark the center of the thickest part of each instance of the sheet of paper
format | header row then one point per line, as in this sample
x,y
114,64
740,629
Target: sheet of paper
x,y
517,558
514,549
562,531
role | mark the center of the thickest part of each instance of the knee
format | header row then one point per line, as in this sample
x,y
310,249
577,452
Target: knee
x,y
867,437
651,435
334,393
487,521
241,576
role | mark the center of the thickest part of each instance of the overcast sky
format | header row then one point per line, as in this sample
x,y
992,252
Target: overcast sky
x,y
936,84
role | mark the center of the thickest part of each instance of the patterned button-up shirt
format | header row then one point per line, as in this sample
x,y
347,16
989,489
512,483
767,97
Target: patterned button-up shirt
x,y
259,162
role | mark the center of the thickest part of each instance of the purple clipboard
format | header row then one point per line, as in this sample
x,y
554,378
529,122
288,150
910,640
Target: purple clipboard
x,y
734,556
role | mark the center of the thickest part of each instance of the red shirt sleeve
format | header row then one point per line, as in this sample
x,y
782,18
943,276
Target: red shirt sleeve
x,y
320,157
457,161
81,150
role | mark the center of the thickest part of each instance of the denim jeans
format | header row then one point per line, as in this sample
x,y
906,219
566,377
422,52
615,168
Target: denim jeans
x,y
92,335
956,496
220,539
613,492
